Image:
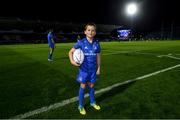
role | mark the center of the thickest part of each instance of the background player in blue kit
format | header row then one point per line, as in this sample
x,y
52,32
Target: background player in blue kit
x,y
51,44
90,66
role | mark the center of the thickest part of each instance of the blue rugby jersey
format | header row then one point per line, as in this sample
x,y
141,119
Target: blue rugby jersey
x,y
50,37
90,51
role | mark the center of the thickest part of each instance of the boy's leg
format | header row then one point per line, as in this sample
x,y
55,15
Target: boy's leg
x,y
92,78
81,94
81,78
50,53
91,92
92,99
81,99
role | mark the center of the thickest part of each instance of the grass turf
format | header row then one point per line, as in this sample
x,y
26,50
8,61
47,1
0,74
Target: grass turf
x,y
29,81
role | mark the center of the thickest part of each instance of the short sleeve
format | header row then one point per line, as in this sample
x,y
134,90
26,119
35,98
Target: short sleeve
x,y
78,45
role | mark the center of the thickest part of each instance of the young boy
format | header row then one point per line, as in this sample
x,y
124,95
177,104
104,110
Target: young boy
x,y
90,66
51,44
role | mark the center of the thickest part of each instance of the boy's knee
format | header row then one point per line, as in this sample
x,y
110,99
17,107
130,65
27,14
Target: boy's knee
x,y
91,85
83,85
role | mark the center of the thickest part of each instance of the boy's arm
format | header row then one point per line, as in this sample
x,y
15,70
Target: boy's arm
x,y
71,57
98,63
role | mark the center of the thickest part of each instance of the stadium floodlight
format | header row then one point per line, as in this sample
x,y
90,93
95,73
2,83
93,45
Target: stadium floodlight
x,y
131,9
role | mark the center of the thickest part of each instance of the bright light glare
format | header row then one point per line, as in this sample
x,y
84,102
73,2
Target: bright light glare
x,y
131,9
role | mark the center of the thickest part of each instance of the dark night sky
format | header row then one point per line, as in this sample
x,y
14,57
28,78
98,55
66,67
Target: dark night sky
x,y
152,12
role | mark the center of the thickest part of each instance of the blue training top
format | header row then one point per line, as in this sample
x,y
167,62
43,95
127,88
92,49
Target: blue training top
x,y
90,51
50,37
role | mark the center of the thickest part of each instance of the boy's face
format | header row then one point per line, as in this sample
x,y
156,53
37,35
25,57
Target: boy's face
x,y
90,32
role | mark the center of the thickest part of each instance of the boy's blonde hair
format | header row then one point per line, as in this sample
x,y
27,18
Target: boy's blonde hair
x,y
90,24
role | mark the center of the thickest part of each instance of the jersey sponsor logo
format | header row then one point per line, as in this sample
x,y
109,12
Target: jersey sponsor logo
x,y
90,54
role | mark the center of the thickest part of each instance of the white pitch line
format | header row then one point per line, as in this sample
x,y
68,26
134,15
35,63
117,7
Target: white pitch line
x,y
168,55
171,57
146,53
74,99
117,52
137,52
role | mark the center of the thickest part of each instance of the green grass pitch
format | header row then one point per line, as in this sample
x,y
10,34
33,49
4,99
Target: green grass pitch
x,y
28,81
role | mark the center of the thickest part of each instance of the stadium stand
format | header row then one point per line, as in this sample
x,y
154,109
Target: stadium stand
x,y
16,30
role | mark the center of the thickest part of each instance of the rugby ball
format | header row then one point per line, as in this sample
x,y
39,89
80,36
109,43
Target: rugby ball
x,y
78,56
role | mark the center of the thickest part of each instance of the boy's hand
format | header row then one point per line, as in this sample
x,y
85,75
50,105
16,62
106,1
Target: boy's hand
x,y
98,72
74,63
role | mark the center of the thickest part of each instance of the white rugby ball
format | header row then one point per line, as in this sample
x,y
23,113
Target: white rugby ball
x,y
78,56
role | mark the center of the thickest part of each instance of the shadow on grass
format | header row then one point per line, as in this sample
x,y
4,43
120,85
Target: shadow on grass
x,y
114,91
